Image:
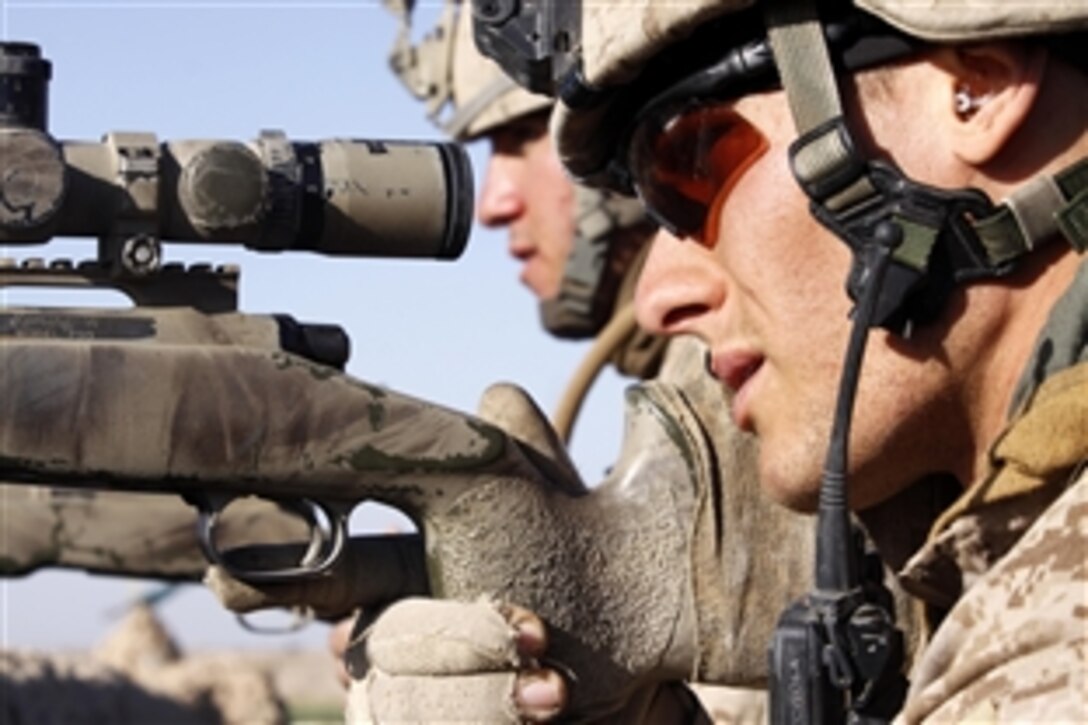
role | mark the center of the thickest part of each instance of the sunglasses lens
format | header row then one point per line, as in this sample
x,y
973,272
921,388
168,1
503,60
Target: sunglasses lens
x,y
684,165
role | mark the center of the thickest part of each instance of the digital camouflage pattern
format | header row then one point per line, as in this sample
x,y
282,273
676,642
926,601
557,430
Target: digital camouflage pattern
x,y
446,68
1009,607
1014,645
1004,573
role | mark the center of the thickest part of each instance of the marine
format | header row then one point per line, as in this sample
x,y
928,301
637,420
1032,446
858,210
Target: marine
x,y
932,158
581,250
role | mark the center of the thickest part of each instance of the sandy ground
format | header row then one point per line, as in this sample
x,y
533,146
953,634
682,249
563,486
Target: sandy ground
x,y
305,679
138,668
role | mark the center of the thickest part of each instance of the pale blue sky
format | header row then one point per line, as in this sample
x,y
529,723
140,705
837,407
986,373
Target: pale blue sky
x,y
442,331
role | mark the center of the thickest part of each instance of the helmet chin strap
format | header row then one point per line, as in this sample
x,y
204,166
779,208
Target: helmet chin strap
x,y
836,654
948,236
588,288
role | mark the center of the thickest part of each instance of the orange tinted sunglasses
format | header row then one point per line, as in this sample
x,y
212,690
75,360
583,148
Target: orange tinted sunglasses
x,y
684,165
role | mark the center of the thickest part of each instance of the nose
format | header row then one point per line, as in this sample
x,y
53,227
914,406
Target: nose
x,y
501,200
680,285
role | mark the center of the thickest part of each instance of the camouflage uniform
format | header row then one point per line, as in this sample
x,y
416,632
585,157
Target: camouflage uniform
x,y
1004,575
769,549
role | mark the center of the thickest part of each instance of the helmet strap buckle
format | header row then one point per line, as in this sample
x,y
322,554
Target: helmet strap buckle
x,y
853,197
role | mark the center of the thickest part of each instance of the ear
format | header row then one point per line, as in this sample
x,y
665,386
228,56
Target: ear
x,y
993,89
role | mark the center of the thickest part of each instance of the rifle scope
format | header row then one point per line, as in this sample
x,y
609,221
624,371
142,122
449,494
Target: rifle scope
x,y
347,197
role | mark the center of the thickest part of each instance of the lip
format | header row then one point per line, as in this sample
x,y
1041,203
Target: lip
x,y
521,247
523,254
738,369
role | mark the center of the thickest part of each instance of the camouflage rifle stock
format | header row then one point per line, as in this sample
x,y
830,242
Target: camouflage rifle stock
x,y
184,395
210,420
137,535
340,197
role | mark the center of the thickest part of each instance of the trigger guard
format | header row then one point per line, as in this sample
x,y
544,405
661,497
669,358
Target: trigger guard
x,y
322,553
333,541
208,508
302,617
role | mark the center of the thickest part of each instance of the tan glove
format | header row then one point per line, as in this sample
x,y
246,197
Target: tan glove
x,y
673,568
480,662
608,570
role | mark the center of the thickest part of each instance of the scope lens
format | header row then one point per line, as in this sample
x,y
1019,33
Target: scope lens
x,y
460,200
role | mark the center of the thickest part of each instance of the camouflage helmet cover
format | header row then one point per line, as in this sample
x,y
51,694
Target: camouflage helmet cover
x,y
618,40
467,94
475,78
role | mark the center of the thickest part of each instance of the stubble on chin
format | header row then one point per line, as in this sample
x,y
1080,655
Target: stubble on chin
x,y
791,469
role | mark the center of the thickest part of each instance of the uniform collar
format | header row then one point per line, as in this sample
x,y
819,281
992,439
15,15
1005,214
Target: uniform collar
x,y
1038,454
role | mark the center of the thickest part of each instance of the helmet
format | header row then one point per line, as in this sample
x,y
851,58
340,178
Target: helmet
x,y
620,39
467,95
721,49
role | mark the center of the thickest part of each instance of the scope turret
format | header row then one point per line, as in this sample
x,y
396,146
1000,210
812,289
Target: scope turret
x,y
24,86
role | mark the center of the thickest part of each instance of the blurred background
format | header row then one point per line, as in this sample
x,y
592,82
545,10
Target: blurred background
x,y
442,331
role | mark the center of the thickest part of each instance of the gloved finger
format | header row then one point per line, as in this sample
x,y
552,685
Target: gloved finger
x,y
536,696
440,637
385,699
531,636
435,660
372,571
540,695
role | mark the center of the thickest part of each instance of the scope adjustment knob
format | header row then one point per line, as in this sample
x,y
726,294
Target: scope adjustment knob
x,y
223,190
32,183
